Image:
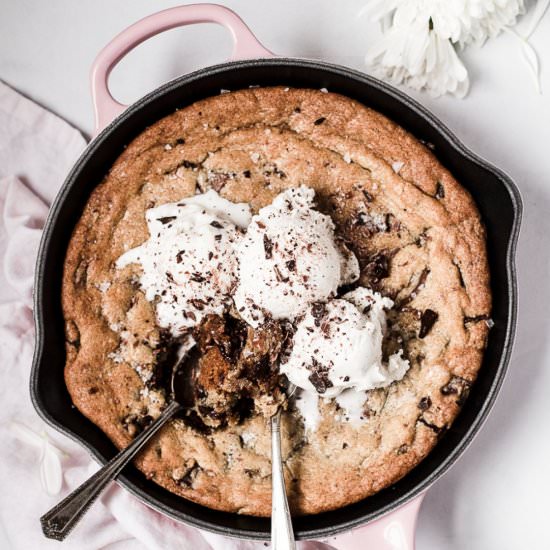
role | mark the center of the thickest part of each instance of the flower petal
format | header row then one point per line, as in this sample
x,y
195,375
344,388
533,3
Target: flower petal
x,y
51,473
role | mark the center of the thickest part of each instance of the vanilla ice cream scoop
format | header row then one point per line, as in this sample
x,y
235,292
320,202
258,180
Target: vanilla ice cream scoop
x,y
338,345
290,258
189,261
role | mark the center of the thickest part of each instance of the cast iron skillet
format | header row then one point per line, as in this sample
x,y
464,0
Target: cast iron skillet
x,y
495,194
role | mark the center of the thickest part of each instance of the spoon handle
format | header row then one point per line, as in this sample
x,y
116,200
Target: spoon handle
x,y
282,535
60,520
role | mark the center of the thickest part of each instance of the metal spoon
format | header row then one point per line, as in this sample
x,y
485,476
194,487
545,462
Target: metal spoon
x,y
62,518
282,534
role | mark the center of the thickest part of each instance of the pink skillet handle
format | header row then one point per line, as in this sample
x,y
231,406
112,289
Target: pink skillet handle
x,y
396,531
245,46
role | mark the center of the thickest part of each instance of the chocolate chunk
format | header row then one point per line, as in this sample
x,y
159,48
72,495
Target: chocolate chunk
x,y
144,421
291,265
319,121
166,219
247,174
279,275
448,389
460,276
216,224
439,191
194,421
189,478
456,386
268,247
368,196
197,277
180,141
429,317
418,287
378,267
425,403
217,180
170,277
179,256
243,408
402,449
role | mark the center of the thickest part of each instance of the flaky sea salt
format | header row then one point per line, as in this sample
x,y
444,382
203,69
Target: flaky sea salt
x,y
248,439
103,286
347,157
396,166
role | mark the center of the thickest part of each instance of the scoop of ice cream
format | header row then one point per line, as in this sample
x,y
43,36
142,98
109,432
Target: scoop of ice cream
x,y
290,258
189,261
338,345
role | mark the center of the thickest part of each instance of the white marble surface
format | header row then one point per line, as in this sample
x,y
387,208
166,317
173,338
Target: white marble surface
x,y
496,497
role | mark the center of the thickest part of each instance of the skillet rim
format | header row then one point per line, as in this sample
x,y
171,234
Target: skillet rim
x,y
361,79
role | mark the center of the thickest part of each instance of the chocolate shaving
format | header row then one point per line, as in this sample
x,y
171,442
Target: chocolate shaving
x,y
319,377
268,247
318,312
279,275
166,219
197,303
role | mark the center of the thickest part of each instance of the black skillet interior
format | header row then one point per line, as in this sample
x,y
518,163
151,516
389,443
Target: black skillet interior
x,y
496,197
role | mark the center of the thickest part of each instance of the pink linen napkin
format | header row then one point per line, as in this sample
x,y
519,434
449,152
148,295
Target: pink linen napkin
x,y
37,150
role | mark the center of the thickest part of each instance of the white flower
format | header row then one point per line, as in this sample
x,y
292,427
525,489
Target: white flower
x,y
417,47
51,472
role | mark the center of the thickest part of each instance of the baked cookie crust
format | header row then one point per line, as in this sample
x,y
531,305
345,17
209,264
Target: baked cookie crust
x,y
419,239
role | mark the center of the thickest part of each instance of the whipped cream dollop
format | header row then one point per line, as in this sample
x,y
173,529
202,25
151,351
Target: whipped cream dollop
x,y
289,259
338,346
189,262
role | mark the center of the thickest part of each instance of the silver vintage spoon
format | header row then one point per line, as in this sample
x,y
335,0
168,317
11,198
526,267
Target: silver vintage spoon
x,y
62,518
282,534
